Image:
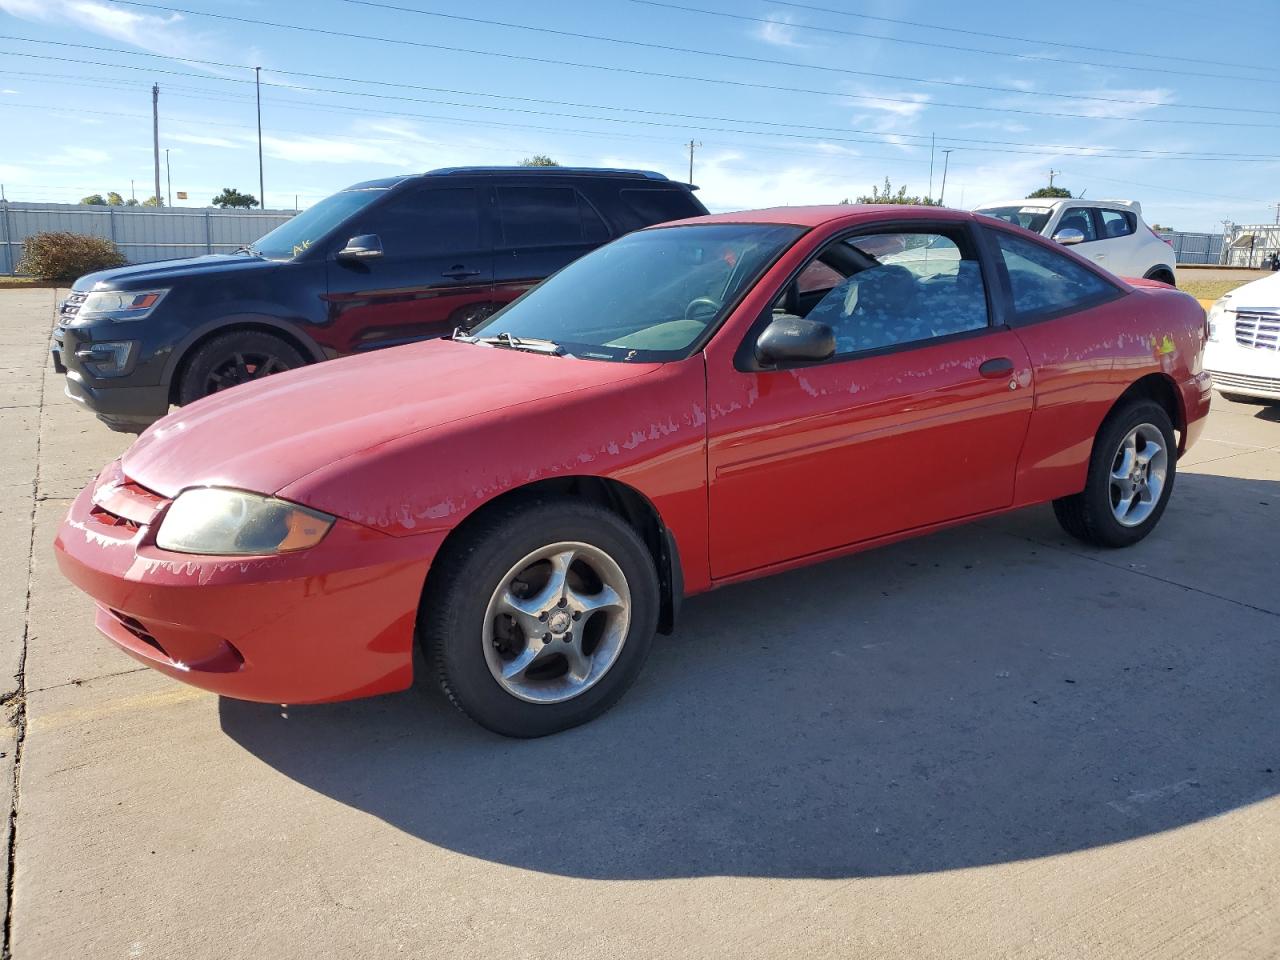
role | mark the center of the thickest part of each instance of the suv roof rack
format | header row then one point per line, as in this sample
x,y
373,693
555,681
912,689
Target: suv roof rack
x,y
598,171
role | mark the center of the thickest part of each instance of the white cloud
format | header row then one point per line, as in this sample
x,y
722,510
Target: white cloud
x,y
77,157
8,92
778,32
165,34
204,141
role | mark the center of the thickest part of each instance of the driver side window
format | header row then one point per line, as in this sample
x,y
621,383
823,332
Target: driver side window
x,y
898,288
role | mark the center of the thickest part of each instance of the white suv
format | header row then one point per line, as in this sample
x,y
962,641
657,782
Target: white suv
x,y
1243,352
1111,233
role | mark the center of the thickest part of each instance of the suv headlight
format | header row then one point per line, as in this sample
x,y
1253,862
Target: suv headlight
x,y
120,305
1218,314
221,522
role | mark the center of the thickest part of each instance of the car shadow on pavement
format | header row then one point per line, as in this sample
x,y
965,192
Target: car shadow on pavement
x,y
987,694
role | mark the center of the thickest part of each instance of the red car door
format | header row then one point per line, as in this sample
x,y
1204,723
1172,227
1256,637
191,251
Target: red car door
x,y
918,419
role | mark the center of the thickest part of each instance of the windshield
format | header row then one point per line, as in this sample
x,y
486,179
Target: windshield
x,y
1029,218
649,296
310,226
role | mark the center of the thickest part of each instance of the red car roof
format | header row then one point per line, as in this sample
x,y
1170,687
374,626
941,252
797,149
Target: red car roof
x,y
819,215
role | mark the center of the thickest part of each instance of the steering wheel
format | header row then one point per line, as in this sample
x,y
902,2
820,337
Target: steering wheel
x,y
704,303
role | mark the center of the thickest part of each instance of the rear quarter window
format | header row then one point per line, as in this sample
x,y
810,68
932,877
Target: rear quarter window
x,y
648,207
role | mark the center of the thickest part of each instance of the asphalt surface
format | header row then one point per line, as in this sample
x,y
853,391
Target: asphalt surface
x,y
991,742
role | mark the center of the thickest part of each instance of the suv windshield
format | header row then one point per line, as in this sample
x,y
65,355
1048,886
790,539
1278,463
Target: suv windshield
x,y
295,236
649,296
1029,218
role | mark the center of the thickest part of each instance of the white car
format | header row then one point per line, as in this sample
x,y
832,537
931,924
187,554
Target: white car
x,y
1111,233
1243,352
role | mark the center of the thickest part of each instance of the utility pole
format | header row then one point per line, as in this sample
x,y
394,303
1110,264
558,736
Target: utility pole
x,y
1053,173
133,188
692,145
155,133
262,190
168,177
931,143
946,161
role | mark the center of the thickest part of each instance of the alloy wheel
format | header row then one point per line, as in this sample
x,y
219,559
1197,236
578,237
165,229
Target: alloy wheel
x,y
557,622
1139,472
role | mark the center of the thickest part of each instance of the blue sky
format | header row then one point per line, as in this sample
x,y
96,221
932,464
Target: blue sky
x,y
864,94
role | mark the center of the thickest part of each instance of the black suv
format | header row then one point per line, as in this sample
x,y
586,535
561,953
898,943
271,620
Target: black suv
x,y
379,264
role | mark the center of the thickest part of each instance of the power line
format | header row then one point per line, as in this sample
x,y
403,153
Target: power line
x,y
1040,58
1040,41
1116,153
632,71
771,61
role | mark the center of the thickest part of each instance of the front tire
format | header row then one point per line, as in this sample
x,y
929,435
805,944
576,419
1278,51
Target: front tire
x,y
541,616
230,359
1130,479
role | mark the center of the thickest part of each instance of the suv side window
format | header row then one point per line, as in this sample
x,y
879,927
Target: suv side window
x,y
1117,223
1077,218
657,206
426,222
538,216
1044,282
901,287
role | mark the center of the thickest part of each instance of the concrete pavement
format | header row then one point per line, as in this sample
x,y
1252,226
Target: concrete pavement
x,y
992,742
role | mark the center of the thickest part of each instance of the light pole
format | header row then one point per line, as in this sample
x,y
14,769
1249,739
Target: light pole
x,y
946,160
168,177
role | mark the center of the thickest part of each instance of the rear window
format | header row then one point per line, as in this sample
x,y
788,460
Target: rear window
x,y
548,216
658,206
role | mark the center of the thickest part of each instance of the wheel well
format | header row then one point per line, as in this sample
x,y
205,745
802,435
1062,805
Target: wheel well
x,y
1161,389
194,345
627,502
1163,274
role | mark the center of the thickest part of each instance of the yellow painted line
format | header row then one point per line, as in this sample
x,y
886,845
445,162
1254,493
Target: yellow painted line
x,y
79,716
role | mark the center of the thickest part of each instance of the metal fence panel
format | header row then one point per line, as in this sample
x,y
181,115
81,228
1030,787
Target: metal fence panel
x,y
143,234
1194,247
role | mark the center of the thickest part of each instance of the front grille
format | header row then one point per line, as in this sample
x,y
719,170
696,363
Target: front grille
x,y
1243,382
139,630
69,308
1258,329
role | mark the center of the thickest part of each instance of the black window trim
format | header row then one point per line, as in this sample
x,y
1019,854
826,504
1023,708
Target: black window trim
x,y
500,244
744,358
996,257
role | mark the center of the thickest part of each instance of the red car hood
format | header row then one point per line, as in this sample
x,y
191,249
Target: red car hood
x,y
263,436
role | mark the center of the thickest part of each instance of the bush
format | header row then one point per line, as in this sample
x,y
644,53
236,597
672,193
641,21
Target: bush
x,y
65,256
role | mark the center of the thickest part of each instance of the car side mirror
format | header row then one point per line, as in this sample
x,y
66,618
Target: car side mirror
x,y
1069,236
795,340
364,247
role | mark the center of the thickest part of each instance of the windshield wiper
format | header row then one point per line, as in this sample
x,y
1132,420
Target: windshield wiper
x,y
512,342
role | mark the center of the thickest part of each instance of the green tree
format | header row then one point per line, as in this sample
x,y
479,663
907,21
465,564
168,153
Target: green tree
x,y
231,197
539,160
94,200
153,202
1053,192
132,202
114,199
888,196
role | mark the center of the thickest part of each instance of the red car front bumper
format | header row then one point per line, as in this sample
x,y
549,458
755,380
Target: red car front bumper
x,y
330,623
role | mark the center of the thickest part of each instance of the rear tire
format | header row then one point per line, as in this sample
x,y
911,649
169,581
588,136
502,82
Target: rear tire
x,y
541,616
1130,478
232,358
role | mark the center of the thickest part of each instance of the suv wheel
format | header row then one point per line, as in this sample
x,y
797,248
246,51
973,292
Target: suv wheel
x,y
231,359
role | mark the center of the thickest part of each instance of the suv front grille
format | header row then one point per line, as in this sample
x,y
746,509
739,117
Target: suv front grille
x,y
1257,328
70,307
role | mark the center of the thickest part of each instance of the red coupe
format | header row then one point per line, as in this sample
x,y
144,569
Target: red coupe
x,y
692,405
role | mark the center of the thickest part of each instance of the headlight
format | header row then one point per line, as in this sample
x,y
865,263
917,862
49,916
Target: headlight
x,y
1218,314
120,305
221,522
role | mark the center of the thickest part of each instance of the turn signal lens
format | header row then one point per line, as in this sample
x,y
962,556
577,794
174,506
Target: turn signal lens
x,y
219,522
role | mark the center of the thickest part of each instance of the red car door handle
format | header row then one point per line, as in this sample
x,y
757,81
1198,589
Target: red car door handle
x,y
996,368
